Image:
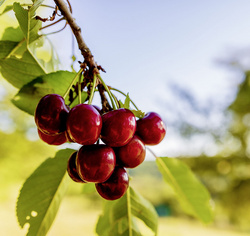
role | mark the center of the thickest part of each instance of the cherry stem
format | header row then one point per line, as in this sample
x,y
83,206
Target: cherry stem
x,y
116,101
58,31
73,81
117,90
79,89
92,89
115,105
150,150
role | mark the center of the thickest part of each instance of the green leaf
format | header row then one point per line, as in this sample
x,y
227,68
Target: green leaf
x,y
127,101
29,25
192,195
19,71
7,8
12,34
19,62
138,113
144,210
30,94
107,226
42,192
12,42
6,48
119,217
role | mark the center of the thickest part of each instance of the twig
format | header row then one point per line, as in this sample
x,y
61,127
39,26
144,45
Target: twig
x,y
66,12
46,26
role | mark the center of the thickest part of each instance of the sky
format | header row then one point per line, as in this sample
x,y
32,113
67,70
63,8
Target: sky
x,y
147,47
144,44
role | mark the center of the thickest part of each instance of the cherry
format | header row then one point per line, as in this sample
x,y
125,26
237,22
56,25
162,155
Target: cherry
x,y
118,127
151,129
71,169
116,186
55,139
132,154
84,124
51,114
95,163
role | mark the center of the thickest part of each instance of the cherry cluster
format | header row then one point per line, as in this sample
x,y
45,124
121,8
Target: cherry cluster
x,y
111,142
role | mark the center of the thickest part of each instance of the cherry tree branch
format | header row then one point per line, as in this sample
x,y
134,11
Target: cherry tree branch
x,y
66,12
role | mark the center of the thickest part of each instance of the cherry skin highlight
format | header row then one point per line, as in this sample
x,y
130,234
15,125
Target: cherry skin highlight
x,y
116,186
132,154
71,169
84,124
95,163
151,129
118,127
98,109
56,139
51,114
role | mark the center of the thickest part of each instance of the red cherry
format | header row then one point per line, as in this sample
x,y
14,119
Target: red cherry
x,y
51,114
95,163
132,154
151,129
56,139
116,186
84,124
118,127
71,169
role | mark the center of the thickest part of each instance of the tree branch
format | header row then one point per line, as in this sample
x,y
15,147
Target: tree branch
x,y
88,57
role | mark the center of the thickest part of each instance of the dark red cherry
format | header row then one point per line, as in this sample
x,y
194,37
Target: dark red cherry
x,y
51,114
132,154
151,129
55,139
71,169
95,163
84,124
118,127
116,186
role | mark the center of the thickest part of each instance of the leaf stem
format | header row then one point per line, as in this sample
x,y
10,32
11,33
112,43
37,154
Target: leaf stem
x,y
117,90
115,105
73,81
92,89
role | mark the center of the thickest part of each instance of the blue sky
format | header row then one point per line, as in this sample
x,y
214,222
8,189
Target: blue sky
x,y
145,46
